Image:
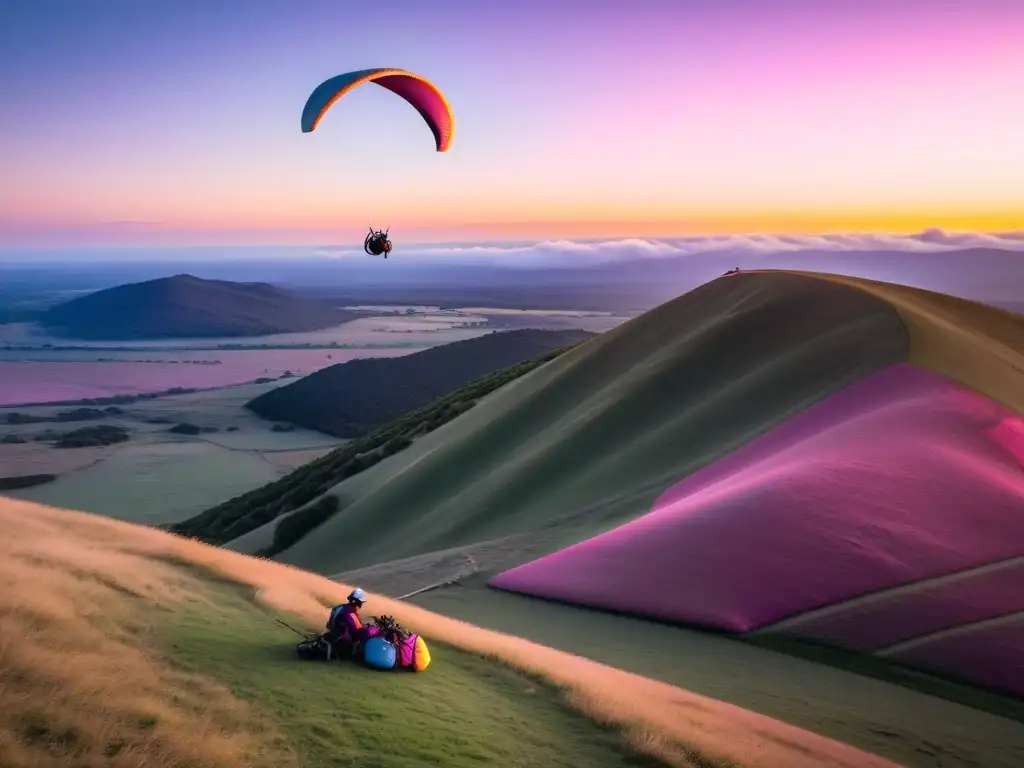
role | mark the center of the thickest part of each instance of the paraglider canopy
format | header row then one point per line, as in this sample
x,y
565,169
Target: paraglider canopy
x,y
423,95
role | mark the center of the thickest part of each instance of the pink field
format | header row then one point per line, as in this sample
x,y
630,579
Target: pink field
x,y
39,382
888,618
992,656
902,476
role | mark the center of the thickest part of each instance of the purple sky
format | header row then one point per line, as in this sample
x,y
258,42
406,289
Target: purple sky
x,y
177,121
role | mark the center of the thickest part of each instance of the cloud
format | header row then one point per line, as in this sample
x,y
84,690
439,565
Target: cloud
x,y
568,253
1008,240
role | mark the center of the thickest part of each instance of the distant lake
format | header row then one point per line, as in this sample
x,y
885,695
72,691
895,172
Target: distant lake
x,y
33,371
71,376
364,331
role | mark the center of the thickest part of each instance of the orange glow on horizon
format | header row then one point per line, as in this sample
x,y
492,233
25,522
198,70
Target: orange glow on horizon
x,y
253,224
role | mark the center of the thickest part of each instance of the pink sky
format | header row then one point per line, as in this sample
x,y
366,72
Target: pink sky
x,y
628,119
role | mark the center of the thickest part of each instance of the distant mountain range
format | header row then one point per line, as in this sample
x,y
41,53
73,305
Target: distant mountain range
x,y
184,306
628,285
990,275
351,399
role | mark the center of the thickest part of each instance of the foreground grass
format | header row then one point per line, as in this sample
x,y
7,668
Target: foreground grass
x,y
463,711
91,609
79,687
187,672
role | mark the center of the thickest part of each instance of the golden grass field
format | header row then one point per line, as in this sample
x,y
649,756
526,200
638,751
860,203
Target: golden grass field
x,y
74,656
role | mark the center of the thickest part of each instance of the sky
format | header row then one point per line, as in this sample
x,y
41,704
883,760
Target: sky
x,y
176,122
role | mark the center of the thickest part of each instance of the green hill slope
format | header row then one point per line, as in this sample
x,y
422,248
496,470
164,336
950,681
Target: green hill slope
x,y
243,514
589,440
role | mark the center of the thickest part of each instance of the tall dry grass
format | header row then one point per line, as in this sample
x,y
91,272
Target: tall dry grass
x,y
77,683
61,548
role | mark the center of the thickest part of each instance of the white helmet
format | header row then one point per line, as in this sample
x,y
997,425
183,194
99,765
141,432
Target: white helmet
x,y
358,595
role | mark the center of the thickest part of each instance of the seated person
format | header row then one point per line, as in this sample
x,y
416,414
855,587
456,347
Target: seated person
x,y
345,629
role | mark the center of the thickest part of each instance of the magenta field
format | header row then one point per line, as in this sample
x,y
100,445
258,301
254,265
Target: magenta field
x,y
35,382
901,477
989,654
895,616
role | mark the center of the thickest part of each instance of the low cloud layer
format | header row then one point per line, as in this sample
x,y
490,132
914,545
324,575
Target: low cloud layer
x,y
562,253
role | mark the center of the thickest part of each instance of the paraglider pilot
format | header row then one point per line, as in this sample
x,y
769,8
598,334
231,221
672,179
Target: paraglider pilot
x,y
345,629
377,243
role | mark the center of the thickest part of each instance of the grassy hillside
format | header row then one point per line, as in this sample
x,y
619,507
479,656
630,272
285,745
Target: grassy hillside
x,y
245,513
186,306
351,399
124,646
590,440
976,344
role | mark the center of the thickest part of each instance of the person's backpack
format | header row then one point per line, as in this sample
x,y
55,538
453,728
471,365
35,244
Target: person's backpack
x,y
332,620
336,625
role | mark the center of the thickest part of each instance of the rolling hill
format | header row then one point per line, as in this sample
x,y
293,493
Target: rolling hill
x,y
184,306
888,518
351,399
593,438
898,479
254,515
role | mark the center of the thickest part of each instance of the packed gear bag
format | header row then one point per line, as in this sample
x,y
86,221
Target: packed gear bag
x,y
378,653
413,653
410,649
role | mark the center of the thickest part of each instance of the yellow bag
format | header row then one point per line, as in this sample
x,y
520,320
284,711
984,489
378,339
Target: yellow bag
x,y
421,656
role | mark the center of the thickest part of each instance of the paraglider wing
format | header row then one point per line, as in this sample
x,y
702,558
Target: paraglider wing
x,y
423,95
